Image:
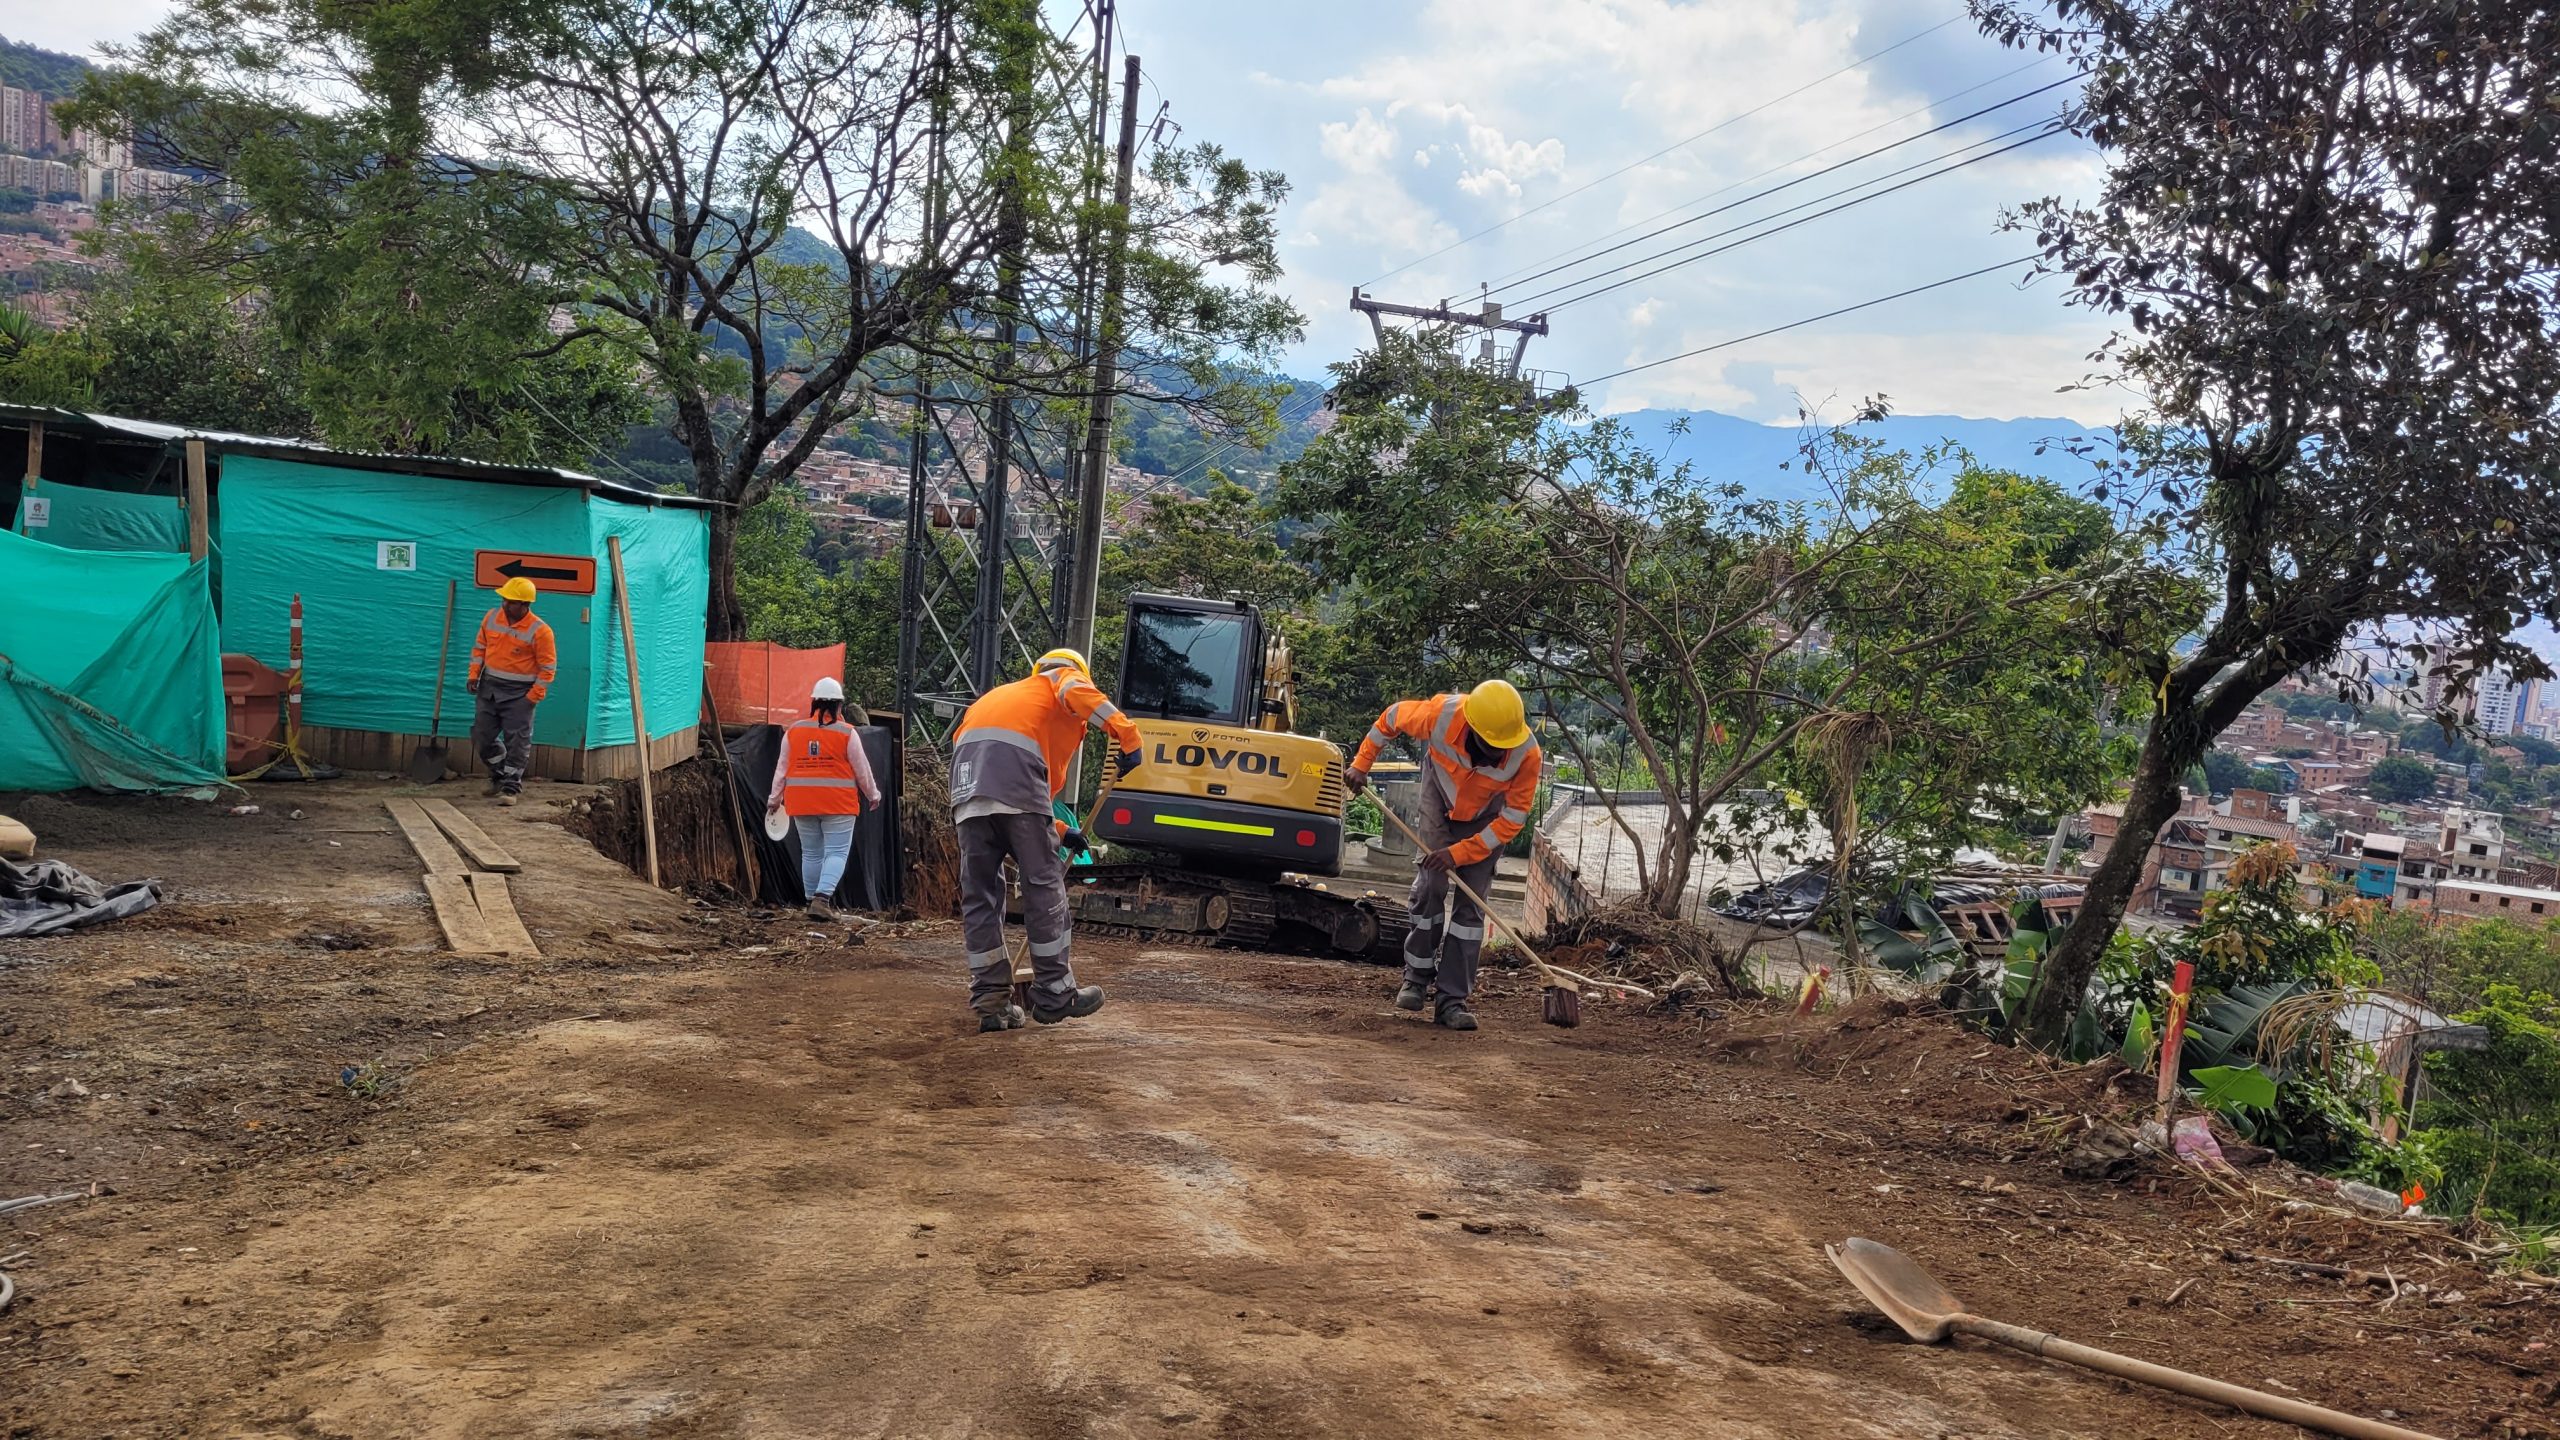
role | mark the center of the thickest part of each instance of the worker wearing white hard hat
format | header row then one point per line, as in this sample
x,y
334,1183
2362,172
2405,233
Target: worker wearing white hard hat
x,y
821,781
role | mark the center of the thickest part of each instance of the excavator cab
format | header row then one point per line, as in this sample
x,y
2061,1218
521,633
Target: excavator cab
x,y
1225,784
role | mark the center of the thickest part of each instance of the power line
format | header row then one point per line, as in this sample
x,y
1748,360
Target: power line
x,y
1508,276
1667,149
2044,134
1832,168
1810,320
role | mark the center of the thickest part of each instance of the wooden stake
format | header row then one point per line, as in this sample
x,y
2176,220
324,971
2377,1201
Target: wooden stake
x,y
750,875
35,452
639,720
199,527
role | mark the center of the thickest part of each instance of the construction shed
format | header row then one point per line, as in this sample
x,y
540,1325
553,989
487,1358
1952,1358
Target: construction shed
x,y
391,557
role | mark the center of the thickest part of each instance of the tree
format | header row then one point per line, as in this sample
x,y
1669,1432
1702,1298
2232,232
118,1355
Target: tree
x,y
2400,779
776,207
1898,650
2329,233
398,294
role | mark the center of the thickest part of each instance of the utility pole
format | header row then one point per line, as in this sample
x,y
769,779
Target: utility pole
x,y
1087,591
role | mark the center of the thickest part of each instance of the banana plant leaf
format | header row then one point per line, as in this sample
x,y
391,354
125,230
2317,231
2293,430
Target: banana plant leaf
x,y
2224,1028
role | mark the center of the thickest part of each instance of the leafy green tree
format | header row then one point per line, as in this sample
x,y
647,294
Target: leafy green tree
x,y
2400,779
2491,1124
1890,645
776,258
399,289
2328,232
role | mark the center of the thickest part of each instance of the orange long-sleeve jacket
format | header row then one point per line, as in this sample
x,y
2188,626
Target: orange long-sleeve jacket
x,y
1469,789
523,653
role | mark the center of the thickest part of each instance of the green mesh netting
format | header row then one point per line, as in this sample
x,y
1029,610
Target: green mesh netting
x,y
110,670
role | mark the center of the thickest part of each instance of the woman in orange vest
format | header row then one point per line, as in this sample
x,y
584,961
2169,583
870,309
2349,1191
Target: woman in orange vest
x,y
821,782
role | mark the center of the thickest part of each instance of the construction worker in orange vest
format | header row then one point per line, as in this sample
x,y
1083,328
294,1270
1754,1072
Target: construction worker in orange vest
x,y
1009,763
822,780
1477,789
513,662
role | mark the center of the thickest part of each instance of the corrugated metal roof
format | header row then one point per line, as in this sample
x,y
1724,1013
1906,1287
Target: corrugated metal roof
x,y
127,430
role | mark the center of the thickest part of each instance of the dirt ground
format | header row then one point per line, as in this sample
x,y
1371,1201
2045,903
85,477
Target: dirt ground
x,y
698,1173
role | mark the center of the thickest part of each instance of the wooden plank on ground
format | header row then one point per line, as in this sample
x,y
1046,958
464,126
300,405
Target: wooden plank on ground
x,y
498,915
484,852
458,911
438,856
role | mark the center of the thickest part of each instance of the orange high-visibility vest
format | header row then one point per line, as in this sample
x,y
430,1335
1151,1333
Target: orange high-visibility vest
x,y
1470,790
523,653
1013,746
818,777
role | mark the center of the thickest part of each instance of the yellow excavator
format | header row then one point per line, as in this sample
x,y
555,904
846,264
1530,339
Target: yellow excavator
x,y
1240,816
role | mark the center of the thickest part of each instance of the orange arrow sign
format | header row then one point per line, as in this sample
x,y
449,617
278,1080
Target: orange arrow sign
x,y
550,574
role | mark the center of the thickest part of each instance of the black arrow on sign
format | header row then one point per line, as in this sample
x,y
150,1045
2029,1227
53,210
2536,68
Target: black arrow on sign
x,y
515,568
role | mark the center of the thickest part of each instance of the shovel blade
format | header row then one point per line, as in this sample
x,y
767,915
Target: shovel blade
x,y
426,764
1895,1284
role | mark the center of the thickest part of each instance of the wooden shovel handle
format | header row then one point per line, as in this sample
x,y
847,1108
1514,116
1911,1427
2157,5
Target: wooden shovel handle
x,y
1486,906
2238,1397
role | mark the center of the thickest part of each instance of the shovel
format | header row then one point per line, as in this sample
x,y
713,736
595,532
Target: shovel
x,y
1562,1006
1913,1299
426,763
1021,947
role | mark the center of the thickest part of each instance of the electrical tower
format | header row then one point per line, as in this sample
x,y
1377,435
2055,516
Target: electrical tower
x,y
1494,355
996,478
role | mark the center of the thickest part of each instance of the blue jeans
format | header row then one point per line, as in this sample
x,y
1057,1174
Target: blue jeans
x,y
825,841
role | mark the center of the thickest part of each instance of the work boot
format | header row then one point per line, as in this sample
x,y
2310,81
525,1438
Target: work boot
x,y
821,908
995,1021
492,788
1086,1000
508,800
1454,1015
1411,997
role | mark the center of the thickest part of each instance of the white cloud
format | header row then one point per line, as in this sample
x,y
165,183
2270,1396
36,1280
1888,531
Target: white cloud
x,y
1360,144
1491,108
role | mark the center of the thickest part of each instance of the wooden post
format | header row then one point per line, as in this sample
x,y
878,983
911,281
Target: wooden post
x,y
750,878
199,520
639,720
35,451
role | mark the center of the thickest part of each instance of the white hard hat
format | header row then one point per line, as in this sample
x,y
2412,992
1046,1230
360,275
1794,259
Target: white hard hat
x,y
827,689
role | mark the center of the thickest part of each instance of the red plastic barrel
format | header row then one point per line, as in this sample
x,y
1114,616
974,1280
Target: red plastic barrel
x,y
253,702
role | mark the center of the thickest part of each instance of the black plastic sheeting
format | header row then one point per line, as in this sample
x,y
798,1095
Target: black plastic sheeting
x,y
44,896
871,875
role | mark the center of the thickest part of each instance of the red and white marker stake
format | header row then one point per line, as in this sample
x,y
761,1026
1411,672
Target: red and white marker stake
x,y
2173,1036
1809,994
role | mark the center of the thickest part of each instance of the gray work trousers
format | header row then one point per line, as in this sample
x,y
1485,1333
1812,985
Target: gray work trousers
x,y
502,731
1440,951
985,842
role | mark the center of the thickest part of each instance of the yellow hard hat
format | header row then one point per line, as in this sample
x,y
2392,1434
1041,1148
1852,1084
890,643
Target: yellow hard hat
x,y
1497,715
518,588
1062,656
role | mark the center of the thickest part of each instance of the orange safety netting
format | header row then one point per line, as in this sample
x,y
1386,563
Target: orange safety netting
x,y
758,682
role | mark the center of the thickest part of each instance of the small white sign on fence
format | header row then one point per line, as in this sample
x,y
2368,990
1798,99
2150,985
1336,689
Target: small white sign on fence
x,y
395,555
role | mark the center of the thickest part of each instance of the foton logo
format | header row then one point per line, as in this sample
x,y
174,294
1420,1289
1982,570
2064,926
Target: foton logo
x,y
1243,762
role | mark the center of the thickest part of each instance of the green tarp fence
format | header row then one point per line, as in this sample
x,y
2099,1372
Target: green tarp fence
x,y
371,554
110,670
77,517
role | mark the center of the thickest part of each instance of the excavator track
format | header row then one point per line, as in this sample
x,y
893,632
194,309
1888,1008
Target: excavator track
x,y
1171,905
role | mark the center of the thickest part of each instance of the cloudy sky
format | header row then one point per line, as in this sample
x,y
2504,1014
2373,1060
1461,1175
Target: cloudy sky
x,y
1408,126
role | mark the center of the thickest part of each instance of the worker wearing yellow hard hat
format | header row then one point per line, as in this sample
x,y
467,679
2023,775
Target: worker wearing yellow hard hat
x,y
1476,791
513,662
1009,761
